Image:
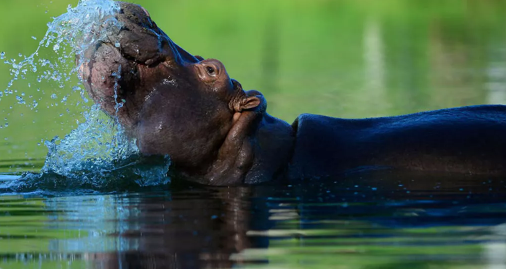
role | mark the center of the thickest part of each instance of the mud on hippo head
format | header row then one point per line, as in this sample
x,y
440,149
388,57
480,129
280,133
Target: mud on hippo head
x,y
171,101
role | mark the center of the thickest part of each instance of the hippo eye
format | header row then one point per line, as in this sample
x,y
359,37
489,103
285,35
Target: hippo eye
x,y
210,70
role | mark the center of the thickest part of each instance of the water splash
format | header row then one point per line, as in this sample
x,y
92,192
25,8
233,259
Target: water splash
x,y
69,35
96,156
98,152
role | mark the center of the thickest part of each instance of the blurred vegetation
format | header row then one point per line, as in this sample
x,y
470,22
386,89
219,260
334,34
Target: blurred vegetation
x,y
343,58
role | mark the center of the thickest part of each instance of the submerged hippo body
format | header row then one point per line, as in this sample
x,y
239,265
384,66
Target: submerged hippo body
x,y
218,134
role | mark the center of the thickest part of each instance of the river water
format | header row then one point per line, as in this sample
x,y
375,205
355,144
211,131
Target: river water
x,y
338,58
385,221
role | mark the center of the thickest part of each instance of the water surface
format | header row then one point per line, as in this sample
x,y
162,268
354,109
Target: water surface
x,y
386,221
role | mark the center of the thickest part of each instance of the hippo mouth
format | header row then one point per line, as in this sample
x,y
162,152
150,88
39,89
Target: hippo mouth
x,y
117,70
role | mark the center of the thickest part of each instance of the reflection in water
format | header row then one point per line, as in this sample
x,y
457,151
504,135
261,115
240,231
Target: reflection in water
x,y
381,219
187,229
493,252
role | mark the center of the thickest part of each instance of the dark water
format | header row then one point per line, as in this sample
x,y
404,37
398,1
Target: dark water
x,y
381,220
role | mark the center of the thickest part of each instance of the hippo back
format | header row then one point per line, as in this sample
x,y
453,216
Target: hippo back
x,y
469,140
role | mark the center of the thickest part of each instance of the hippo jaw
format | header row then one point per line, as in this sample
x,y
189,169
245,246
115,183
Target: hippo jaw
x,y
119,69
173,102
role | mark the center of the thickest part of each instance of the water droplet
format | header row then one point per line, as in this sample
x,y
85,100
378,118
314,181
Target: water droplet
x,y
20,99
54,96
117,44
2,55
34,38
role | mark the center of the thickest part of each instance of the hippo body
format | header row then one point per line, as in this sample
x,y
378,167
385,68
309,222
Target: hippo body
x,y
469,140
187,107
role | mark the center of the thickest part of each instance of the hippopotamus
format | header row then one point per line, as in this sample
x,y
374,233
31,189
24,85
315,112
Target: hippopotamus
x,y
216,133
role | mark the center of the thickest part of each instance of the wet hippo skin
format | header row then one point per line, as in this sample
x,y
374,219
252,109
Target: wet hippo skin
x,y
218,134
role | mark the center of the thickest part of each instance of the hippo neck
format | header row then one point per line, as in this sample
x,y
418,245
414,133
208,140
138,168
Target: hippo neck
x,y
257,149
274,141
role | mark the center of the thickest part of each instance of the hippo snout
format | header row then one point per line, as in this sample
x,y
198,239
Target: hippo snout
x,y
134,54
139,39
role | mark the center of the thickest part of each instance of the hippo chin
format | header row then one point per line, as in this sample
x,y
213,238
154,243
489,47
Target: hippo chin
x,y
218,134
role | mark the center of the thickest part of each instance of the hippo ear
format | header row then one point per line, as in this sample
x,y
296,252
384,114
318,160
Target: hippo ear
x,y
249,100
252,100
249,103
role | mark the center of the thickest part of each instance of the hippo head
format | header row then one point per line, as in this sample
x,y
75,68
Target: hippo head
x,y
171,101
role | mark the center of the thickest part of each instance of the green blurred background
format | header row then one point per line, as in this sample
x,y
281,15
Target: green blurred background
x,y
343,58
